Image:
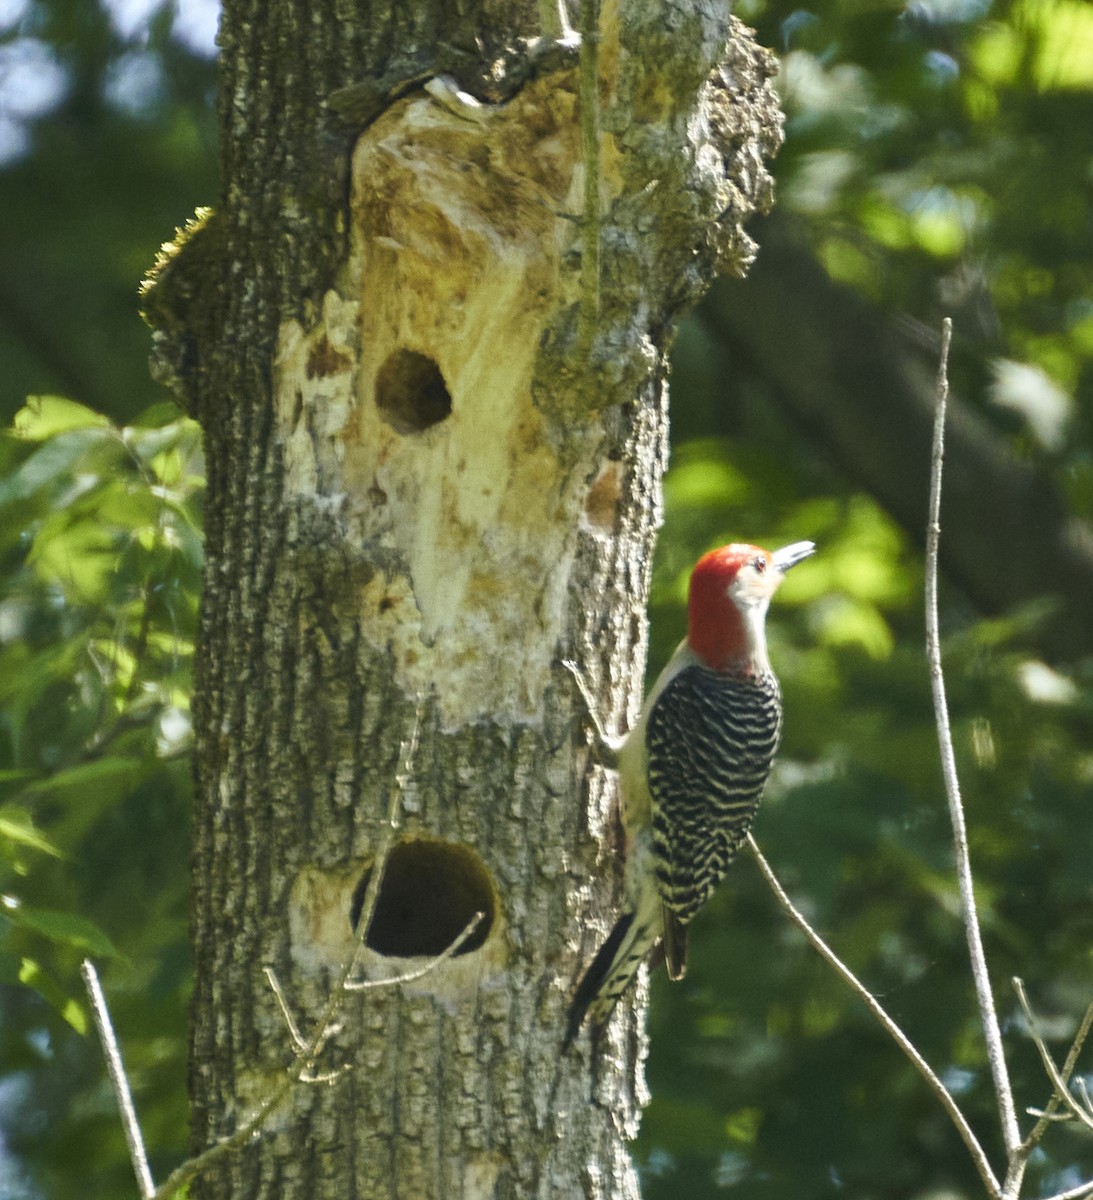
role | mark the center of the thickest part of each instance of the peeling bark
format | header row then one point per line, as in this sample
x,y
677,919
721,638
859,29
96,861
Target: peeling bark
x,y
421,497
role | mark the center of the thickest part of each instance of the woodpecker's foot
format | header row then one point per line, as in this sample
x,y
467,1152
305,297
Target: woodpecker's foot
x,y
606,747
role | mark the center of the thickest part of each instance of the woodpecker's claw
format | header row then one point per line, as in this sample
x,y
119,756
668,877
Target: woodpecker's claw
x,y
605,747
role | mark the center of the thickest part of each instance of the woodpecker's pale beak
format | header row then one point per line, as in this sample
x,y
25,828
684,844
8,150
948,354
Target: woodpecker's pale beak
x,y
790,556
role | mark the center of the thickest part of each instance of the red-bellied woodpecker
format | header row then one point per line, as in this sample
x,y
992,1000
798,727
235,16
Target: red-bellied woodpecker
x,y
693,768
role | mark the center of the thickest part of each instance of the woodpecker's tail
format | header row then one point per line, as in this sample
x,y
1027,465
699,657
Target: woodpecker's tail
x,y
614,967
675,945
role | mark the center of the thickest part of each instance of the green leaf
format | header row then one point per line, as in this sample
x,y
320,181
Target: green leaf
x,y
67,929
44,417
848,622
79,554
112,773
87,790
55,463
181,437
16,775
15,824
128,505
1065,50
32,976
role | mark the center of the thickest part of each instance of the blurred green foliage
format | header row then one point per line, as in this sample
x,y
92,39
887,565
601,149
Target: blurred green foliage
x,y
100,556
107,142
938,160
765,1071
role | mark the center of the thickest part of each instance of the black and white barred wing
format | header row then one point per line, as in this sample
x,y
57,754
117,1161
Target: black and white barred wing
x,y
711,743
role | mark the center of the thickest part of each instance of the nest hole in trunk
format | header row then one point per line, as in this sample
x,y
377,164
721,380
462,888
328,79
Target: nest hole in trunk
x,y
429,893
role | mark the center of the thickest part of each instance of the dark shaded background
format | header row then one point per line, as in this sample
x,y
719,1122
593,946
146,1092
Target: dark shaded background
x,y
937,163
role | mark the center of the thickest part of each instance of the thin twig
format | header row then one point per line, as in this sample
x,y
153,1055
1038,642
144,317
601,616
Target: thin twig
x,y
296,1074
1075,1193
363,985
327,1077
989,1018
375,879
1050,1113
1058,1079
286,1013
303,1068
192,1167
306,1053
590,158
1071,1060
118,1080
891,1028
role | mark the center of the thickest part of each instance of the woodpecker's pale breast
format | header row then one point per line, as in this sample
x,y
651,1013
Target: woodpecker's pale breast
x,y
711,741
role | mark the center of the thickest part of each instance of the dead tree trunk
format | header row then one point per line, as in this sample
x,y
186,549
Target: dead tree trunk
x,y
427,484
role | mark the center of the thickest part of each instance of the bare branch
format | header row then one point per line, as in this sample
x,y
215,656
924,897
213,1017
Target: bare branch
x,y
306,1053
192,1167
309,1077
362,985
1075,1193
290,1022
118,1080
327,1025
1063,1095
1071,1060
992,1033
891,1028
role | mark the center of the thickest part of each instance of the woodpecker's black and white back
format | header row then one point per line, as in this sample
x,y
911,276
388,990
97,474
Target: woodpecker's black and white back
x,y
693,768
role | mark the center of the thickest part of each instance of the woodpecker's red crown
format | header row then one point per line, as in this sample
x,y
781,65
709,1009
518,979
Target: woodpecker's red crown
x,y
727,603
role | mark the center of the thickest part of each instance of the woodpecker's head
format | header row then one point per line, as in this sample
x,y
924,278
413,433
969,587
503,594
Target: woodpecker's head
x,y
727,605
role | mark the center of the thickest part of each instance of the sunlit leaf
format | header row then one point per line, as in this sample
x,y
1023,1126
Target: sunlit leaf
x,y
33,976
846,262
69,929
81,555
17,826
939,232
742,1125
996,52
52,466
1065,51
44,417
85,791
129,505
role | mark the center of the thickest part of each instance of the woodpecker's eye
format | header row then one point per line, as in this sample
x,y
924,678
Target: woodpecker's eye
x,y
759,563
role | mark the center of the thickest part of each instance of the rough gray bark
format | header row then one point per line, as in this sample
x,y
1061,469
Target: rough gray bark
x,y
421,496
